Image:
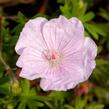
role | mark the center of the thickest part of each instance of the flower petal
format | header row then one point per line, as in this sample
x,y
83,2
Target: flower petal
x,y
62,34
75,69
77,36
32,64
47,84
67,77
90,52
31,35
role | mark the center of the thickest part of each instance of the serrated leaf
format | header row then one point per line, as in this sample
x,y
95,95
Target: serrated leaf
x,y
21,18
33,96
91,30
25,87
75,6
88,17
65,10
22,105
94,30
80,103
34,104
6,34
82,8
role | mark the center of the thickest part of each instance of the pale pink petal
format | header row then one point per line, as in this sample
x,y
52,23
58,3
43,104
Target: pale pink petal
x,y
67,77
61,34
31,35
90,52
77,36
32,64
47,84
77,23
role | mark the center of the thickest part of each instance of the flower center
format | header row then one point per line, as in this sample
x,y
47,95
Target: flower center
x,y
52,57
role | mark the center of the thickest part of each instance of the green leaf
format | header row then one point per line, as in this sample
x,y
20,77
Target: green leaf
x,y
25,87
104,14
99,106
95,30
33,95
88,17
17,29
82,8
4,88
21,18
75,6
66,9
91,29
99,30
34,104
29,96
6,34
22,105
57,95
80,103
50,105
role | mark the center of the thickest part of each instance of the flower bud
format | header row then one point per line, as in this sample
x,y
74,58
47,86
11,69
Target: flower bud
x,y
15,87
10,106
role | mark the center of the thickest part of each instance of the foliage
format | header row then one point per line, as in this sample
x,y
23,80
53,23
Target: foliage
x,y
20,94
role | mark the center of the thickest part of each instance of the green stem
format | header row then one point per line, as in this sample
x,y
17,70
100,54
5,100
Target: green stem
x,y
7,67
3,62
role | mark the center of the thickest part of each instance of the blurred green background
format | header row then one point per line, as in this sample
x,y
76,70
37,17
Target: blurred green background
x,y
17,93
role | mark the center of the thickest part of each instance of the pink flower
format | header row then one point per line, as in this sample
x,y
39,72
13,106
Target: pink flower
x,y
55,51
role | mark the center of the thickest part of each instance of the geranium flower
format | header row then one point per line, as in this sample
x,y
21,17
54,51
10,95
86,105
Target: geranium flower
x,y
55,51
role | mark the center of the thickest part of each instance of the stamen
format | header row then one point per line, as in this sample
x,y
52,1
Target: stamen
x,y
52,57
